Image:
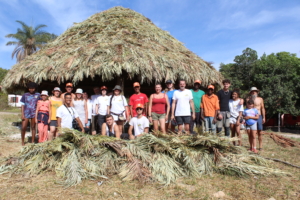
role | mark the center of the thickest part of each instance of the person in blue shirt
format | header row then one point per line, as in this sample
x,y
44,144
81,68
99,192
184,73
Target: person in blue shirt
x,y
169,92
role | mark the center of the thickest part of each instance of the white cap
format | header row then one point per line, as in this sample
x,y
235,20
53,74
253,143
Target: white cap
x,y
56,89
254,89
79,91
44,92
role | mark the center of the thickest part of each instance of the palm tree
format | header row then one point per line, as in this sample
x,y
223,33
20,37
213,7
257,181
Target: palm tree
x,y
29,40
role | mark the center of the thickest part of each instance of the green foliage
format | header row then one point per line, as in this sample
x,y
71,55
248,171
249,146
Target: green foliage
x,y
276,75
29,40
75,156
3,72
3,101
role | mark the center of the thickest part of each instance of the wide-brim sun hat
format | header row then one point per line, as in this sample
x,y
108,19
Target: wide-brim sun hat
x,y
56,89
79,91
44,93
253,89
117,87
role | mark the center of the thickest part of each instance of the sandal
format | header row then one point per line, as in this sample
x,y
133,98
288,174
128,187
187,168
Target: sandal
x,y
260,149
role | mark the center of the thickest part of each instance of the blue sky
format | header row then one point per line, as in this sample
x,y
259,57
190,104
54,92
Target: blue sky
x,y
215,30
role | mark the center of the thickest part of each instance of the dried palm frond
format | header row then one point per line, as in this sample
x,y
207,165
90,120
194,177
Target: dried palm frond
x,y
75,156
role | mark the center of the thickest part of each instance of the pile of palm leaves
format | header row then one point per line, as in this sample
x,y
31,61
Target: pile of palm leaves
x,y
283,141
163,158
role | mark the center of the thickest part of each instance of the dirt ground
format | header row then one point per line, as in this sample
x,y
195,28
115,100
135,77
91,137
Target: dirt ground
x,y
48,186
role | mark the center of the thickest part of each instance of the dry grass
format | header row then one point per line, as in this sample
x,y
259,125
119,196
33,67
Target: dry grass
x,y
107,44
45,185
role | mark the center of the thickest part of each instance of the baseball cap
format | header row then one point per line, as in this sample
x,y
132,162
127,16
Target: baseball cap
x,y
139,105
211,87
197,81
56,89
103,88
136,84
169,82
69,85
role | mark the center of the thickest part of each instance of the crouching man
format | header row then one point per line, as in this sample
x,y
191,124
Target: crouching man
x,y
110,128
140,123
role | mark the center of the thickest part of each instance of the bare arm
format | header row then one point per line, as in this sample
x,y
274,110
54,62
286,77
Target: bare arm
x,y
168,107
127,112
117,132
58,123
86,112
80,124
150,107
263,111
108,109
50,112
131,136
36,112
146,130
103,131
22,112
173,108
215,117
239,117
193,109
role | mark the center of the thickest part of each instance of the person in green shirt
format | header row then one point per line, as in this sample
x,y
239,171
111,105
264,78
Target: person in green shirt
x,y
197,97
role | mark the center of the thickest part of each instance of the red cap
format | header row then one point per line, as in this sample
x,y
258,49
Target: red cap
x,y
211,87
69,85
197,81
136,84
139,105
103,88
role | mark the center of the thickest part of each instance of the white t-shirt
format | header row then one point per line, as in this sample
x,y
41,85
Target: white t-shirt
x,y
235,108
118,104
90,108
139,124
102,102
66,118
94,103
183,98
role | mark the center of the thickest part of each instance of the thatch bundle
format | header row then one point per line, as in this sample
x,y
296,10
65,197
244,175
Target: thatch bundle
x,y
163,158
113,43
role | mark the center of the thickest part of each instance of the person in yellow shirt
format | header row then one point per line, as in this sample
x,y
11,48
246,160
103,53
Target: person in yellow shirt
x,y
55,102
209,109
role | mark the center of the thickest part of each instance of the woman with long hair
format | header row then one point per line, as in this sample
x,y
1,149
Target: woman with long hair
x,y
236,112
80,106
159,109
55,103
118,107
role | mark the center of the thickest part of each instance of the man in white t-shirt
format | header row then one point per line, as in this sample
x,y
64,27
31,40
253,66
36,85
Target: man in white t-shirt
x,y
183,102
102,103
94,121
140,123
65,114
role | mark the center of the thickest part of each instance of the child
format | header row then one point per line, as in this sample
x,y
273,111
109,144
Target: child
x,y
28,110
42,116
251,115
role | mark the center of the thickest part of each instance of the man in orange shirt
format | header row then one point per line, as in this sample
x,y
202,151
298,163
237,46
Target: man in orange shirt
x,y
209,109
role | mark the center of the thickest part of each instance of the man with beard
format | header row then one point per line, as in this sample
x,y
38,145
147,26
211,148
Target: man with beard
x,y
197,98
259,105
183,102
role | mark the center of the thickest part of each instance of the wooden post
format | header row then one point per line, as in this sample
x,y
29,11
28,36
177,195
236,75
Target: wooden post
x,y
278,122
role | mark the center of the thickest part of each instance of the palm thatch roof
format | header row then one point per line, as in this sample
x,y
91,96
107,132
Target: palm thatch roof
x,y
108,44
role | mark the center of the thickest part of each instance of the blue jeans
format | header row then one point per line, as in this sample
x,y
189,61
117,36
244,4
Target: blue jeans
x,y
209,125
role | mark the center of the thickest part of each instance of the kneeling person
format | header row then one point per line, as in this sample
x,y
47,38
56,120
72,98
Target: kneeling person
x,y
110,128
140,123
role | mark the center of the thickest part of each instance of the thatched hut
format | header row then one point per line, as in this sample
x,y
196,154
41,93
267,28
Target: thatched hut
x,y
118,45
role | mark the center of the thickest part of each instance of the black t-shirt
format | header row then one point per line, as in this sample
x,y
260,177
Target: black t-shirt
x,y
224,98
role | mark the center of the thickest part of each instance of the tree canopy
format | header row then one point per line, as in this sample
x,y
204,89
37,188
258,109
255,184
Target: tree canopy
x,y
3,72
29,40
276,75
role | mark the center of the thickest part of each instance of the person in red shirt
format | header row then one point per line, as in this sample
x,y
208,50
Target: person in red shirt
x,y
138,98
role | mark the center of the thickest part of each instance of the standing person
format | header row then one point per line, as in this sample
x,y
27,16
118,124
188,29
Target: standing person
x,y
42,116
140,123
118,107
251,115
197,98
28,110
260,106
94,126
89,106
66,114
159,108
137,98
169,91
183,101
236,112
209,109
55,103
69,89
110,128
80,106
102,103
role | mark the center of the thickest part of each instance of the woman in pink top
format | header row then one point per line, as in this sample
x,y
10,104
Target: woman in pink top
x,y
159,108
42,116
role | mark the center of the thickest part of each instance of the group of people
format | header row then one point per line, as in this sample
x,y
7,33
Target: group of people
x,y
106,114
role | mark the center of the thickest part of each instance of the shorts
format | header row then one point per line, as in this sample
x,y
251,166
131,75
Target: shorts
x,y
53,123
253,127
183,120
225,121
156,116
89,123
260,123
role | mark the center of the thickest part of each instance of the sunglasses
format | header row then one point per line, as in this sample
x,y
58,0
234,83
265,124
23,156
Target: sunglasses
x,y
139,109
